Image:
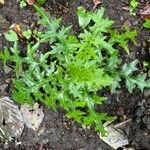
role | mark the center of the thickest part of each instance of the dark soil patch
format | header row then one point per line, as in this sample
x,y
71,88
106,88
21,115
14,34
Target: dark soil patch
x,y
59,132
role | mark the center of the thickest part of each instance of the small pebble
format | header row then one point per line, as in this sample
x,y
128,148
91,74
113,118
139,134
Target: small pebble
x,y
121,18
8,81
147,93
139,111
135,23
146,121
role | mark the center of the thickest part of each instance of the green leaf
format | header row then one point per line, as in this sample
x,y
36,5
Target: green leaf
x,y
76,115
130,84
141,82
84,17
113,62
27,34
98,99
115,84
41,2
101,24
45,18
24,92
129,69
5,56
22,4
147,23
31,50
121,39
79,103
11,36
134,3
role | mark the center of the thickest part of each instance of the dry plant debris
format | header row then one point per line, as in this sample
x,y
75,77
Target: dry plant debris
x,y
33,116
11,121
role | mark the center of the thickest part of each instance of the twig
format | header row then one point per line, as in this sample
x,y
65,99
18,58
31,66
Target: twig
x,y
67,9
124,2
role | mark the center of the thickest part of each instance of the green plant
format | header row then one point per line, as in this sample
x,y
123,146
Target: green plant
x,y
147,25
133,5
41,2
27,34
75,67
23,3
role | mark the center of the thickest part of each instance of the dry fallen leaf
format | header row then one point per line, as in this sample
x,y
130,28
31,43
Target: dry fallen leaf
x,y
11,120
126,8
30,2
1,1
33,117
96,3
17,28
117,136
145,12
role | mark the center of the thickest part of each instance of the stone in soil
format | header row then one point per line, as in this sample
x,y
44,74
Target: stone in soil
x,y
146,121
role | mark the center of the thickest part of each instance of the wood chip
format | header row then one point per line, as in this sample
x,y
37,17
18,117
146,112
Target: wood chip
x,y
30,2
145,12
96,3
2,2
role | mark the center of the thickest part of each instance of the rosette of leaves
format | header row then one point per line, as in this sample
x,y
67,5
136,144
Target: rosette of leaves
x,y
75,67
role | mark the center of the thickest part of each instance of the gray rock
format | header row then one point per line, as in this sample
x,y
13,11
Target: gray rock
x,y
146,121
147,93
139,111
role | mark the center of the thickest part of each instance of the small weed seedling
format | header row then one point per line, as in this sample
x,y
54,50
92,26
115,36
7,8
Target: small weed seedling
x,y
147,25
23,3
74,68
133,5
